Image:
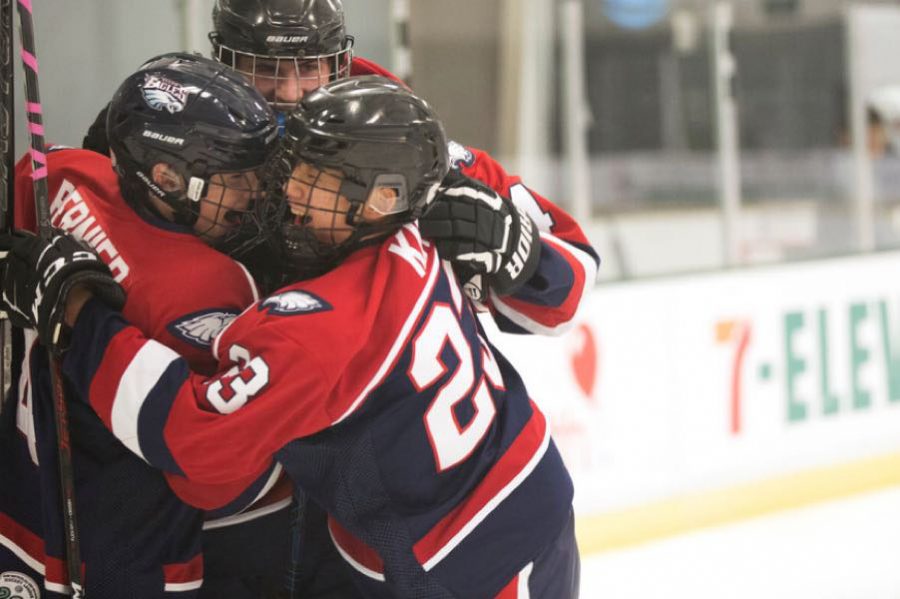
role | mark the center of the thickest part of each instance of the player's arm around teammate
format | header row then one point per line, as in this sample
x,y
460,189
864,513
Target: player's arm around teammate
x,y
306,46
370,378
289,49
161,216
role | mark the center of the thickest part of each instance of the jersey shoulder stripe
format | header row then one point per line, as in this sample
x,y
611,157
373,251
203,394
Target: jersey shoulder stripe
x,y
551,311
402,337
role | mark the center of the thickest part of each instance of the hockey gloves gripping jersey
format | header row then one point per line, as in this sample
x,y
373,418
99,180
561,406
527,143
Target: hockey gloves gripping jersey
x,y
491,243
38,276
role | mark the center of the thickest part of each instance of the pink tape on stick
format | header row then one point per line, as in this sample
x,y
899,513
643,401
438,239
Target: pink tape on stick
x,y
29,59
39,158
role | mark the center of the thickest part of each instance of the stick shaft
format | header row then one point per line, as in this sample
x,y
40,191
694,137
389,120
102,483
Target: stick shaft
x,y
7,99
7,160
34,114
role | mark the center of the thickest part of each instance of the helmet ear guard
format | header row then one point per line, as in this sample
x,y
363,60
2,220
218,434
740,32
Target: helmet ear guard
x,y
196,189
388,205
379,137
177,196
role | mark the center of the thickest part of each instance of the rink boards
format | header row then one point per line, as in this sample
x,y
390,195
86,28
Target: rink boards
x,y
687,402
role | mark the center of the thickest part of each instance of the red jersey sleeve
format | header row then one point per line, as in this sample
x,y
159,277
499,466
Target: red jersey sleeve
x,y
568,269
201,428
362,66
275,381
152,263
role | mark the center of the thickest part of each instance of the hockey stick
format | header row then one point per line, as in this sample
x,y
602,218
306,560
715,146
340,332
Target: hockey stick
x,y
42,210
7,158
295,574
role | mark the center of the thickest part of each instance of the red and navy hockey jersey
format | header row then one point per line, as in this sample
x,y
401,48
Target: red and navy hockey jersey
x,y
547,304
376,388
137,537
568,267
85,201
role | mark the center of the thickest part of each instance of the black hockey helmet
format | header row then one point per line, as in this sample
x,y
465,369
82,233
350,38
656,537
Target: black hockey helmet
x,y
201,119
344,145
270,40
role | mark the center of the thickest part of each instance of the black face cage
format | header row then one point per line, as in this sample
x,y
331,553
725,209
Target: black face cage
x,y
283,79
220,208
226,210
314,241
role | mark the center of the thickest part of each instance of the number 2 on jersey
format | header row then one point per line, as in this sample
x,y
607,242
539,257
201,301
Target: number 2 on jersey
x,y
452,442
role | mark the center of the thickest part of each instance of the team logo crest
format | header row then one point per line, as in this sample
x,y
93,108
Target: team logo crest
x,y
459,155
15,585
290,303
161,93
199,329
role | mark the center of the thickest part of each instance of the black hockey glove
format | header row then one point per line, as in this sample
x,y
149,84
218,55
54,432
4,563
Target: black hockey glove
x,y
38,276
491,243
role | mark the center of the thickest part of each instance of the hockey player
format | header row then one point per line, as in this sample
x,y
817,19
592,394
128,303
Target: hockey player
x,y
472,228
188,136
369,378
288,48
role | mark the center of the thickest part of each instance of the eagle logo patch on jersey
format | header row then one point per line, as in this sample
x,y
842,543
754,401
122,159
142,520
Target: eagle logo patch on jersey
x,y
459,155
200,328
290,303
161,93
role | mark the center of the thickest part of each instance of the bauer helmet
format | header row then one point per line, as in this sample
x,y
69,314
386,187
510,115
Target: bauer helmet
x,y
284,47
210,127
360,158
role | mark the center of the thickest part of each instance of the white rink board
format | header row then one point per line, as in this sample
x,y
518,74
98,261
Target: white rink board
x,y
641,392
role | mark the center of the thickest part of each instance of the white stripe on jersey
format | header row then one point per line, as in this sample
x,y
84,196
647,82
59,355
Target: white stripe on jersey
x,y
34,564
356,565
247,516
180,587
250,281
215,344
400,341
25,408
532,326
55,587
142,374
243,515
491,505
254,290
524,575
